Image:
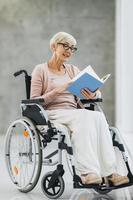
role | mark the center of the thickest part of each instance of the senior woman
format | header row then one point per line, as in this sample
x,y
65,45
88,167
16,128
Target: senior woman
x,y
93,149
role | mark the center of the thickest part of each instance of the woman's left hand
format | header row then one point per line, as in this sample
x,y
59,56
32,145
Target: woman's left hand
x,y
88,94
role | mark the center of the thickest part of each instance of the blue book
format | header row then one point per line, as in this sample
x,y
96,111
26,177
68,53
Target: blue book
x,y
87,78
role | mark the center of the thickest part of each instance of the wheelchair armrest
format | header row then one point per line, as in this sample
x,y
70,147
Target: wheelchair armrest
x,y
90,104
39,101
85,101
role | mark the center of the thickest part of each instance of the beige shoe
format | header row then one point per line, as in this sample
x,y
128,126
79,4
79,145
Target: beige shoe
x,y
117,179
91,178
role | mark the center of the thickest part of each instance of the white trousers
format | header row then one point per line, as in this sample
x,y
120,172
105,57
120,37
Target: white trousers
x,y
92,142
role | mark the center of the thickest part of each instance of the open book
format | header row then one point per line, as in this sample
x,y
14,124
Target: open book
x,y
87,78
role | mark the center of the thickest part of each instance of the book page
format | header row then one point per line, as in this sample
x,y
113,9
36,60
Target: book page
x,y
88,70
104,78
91,71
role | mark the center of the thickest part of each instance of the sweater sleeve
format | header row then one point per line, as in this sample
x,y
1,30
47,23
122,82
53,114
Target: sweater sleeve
x,y
37,84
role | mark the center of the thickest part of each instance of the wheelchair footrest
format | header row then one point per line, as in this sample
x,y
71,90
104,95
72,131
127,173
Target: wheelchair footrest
x,y
103,187
77,183
115,187
80,185
100,187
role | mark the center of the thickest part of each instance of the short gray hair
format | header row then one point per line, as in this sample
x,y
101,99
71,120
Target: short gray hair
x,y
63,37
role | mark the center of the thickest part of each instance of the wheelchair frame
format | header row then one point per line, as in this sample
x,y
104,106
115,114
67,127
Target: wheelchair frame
x,y
40,132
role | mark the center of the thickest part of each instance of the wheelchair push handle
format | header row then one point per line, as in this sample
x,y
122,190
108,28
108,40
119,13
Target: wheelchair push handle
x,y
20,72
32,101
27,81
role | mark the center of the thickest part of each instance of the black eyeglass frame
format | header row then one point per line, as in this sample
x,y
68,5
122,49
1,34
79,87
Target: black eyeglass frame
x,y
66,47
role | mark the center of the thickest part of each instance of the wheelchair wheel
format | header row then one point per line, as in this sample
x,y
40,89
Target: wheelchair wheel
x,y
23,154
56,190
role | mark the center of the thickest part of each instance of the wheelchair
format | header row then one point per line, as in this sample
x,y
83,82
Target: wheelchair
x,y
26,141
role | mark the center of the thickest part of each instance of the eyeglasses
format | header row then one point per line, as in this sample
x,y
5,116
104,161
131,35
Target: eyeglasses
x,y
66,47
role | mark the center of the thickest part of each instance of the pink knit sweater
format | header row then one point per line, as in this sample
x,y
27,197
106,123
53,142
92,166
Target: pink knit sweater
x,y
42,87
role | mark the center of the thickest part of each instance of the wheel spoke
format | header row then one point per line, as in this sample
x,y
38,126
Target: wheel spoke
x,y
58,186
53,188
48,179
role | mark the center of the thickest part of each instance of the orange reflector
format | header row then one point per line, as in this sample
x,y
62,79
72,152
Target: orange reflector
x,y
25,133
15,170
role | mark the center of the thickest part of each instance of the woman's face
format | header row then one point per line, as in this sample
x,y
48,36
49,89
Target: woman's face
x,y
64,51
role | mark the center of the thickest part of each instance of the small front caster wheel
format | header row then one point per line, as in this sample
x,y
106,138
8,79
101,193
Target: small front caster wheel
x,y
57,188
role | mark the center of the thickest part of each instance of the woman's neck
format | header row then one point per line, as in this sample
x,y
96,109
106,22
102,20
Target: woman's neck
x,y
55,64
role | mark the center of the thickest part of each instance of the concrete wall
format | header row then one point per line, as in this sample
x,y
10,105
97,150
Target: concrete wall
x,y
26,27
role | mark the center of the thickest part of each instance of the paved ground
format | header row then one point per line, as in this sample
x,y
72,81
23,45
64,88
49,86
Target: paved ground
x,y
9,192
